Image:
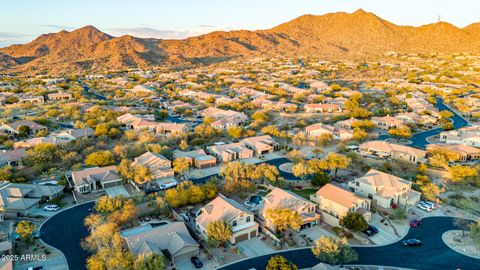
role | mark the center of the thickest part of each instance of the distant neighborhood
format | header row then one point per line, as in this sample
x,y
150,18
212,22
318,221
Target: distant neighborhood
x,y
213,167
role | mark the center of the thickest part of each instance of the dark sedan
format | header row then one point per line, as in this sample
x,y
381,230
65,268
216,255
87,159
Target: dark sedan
x,y
412,243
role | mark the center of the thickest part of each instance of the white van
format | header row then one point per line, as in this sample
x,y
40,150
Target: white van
x,y
168,185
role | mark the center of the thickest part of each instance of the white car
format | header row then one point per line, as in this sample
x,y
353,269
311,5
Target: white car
x,y
424,207
431,204
168,185
52,208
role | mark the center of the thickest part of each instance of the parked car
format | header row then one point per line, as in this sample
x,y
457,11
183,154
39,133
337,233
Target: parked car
x,y
197,262
412,243
51,208
371,230
431,204
168,185
415,223
424,207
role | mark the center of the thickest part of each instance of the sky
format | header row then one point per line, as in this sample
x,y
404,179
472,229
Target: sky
x,y
23,20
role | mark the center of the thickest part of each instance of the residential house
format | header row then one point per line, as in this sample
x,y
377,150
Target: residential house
x,y
260,144
172,240
387,122
137,122
231,212
383,149
95,179
196,158
60,96
29,143
345,124
21,199
319,130
335,202
323,108
31,99
14,128
230,152
280,198
463,153
12,157
385,190
74,134
469,135
158,165
224,119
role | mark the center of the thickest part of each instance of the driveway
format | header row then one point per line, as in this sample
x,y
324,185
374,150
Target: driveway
x,y
433,254
254,247
65,231
117,191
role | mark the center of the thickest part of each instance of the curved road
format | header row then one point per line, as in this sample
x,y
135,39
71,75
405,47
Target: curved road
x,y
433,255
65,231
419,139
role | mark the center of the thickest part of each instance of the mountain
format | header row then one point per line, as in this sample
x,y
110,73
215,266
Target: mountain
x,y
335,35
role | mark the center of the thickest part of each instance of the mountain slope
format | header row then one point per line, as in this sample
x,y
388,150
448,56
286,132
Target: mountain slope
x,y
332,35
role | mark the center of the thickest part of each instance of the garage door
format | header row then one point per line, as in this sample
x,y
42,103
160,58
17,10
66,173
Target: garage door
x,y
112,184
242,237
253,234
186,256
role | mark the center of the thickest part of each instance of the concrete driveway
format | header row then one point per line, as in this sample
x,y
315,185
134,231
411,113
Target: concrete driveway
x,y
117,191
254,247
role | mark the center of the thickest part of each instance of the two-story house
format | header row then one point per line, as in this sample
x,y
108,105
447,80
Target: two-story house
x,y
231,212
385,190
335,202
280,198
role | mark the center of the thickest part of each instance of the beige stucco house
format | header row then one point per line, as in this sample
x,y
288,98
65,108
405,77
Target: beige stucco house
x,y
280,198
240,218
335,202
385,190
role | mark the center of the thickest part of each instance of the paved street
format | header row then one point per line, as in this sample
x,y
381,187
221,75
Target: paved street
x,y
433,255
419,140
65,231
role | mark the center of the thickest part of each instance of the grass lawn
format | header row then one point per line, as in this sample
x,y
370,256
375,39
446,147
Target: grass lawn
x,y
305,192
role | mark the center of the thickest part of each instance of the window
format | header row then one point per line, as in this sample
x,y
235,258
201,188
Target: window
x,y
234,223
357,183
248,219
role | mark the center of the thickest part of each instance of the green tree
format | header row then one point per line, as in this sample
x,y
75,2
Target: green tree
x,y
180,165
280,263
150,261
400,132
334,250
335,161
141,174
320,179
100,158
25,230
475,233
283,218
459,172
354,221
23,131
430,191
438,160
44,153
219,231
235,132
